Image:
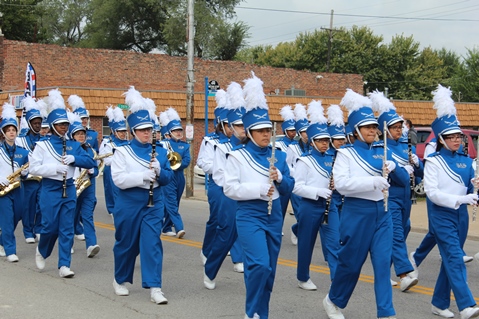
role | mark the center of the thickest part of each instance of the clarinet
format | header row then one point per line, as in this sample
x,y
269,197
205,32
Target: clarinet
x,y
64,152
412,181
153,156
328,200
272,160
385,170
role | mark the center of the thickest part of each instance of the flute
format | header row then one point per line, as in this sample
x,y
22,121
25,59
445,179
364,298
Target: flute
x,y
272,160
64,152
385,170
412,181
328,200
152,183
476,175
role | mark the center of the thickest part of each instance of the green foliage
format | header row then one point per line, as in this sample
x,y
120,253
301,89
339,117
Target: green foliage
x,y
21,20
467,77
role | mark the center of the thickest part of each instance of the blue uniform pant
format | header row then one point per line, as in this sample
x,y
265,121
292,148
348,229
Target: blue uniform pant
x,y
10,214
85,208
450,236
31,198
137,231
400,209
365,228
109,189
172,193
212,223
57,219
329,233
260,237
310,221
225,237
295,202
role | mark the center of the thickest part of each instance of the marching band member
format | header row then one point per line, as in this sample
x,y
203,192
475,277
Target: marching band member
x,y
289,132
117,137
33,118
447,181
55,158
12,158
295,150
86,201
225,238
205,161
174,190
254,178
139,171
80,109
312,175
399,192
367,227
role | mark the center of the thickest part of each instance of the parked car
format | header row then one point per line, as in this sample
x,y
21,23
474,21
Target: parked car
x,y
425,135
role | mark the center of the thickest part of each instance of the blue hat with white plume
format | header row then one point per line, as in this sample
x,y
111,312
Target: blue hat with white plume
x,y
152,109
119,122
78,106
301,117
75,124
360,111
139,117
164,120
236,104
385,108
175,120
24,127
256,116
9,117
336,122
31,108
446,121
318,127
43,108
221,102
287,114
58,113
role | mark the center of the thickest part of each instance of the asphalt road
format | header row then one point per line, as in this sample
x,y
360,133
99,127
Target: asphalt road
x,y
26,292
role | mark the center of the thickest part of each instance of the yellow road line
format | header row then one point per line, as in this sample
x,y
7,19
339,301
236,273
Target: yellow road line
x,y
286,262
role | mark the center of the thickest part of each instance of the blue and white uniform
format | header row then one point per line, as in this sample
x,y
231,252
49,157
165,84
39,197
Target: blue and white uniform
x,y
138,227
247,181
57,212
284,145
92,138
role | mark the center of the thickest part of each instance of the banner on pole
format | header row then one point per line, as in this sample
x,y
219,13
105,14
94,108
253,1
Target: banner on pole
x,y
30,82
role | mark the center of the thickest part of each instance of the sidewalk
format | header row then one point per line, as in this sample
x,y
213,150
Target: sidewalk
x,y
419,220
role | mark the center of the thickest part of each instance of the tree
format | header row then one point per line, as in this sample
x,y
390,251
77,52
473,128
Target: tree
x,y
467,78
20,20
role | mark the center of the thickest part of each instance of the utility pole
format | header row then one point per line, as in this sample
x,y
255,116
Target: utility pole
x,y
190,83
330,40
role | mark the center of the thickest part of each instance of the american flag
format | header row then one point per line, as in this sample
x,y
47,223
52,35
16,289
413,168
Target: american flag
x,y
30,82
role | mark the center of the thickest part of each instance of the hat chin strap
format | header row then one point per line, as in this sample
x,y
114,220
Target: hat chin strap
x,y
359,134
444,143
53,128
10,141
248,132
31,128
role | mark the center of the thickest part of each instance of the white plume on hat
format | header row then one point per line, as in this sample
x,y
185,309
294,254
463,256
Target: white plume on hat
x,y
236,96
164,119
118,115
73,117
316,113
24,123
300,112
134,100
443,102
254,93
287,113
29,103
354,101
55,100
109,113
221,98
43,107
335,115
75,102
172,114
380,103
150,104
8,111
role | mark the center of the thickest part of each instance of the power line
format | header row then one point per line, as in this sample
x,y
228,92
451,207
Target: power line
x,y
360,15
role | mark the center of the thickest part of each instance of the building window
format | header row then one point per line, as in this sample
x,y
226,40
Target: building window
x,y
105,129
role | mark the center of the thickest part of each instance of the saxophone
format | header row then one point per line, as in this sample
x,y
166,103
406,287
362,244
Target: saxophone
x,y
13,179
100,158
81,183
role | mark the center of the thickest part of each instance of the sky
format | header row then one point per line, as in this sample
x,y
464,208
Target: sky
x,y
453,25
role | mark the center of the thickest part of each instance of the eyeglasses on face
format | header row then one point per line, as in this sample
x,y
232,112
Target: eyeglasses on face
x,y
454,137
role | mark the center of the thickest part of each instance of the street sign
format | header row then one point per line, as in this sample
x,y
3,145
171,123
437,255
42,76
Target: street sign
x,y
213,85
123,106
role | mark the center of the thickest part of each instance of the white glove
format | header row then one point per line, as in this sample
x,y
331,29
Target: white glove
x,y
156,166
68,159
62,169
91,171
409,169
25,172
149,176
380,183
324,192
415,160
391,166
469,199
4,181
